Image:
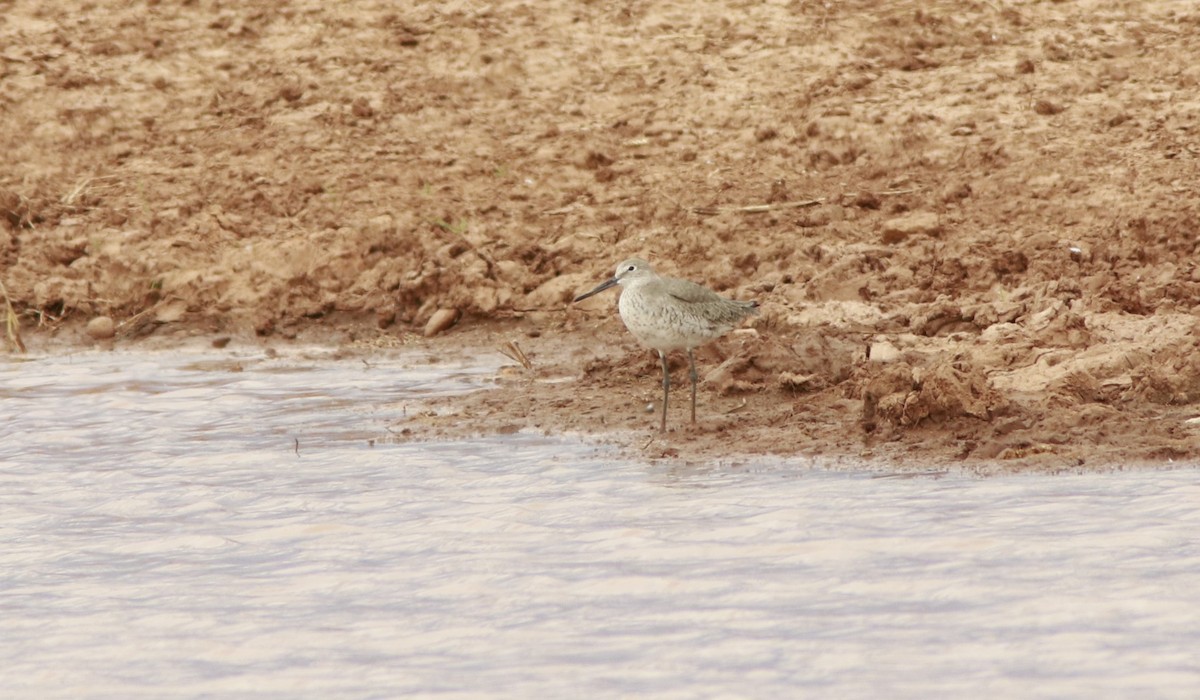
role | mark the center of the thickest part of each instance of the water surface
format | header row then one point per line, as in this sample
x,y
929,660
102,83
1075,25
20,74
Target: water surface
x,y
233,525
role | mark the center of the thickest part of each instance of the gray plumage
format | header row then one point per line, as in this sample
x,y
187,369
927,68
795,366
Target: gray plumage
x,y
666,313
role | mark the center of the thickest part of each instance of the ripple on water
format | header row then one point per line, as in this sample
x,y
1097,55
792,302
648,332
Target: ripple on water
x,y
186,524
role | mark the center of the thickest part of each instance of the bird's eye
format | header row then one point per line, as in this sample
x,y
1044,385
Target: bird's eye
x,y
632,268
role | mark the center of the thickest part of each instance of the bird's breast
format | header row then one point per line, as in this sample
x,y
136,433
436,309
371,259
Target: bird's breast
x,y
666,323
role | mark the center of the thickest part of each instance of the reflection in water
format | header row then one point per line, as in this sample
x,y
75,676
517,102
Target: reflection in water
x,y
194,524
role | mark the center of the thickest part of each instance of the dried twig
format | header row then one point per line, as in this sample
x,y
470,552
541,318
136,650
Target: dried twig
x,y
71,199
138,324
758,208
738,407
12,322
799,204
514,352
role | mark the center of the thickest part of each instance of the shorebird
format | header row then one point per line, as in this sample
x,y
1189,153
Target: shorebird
x,y
665,314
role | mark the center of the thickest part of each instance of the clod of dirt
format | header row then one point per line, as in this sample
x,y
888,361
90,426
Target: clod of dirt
x,y
361,108
101,328
291,91
867,200
171,312
765,133
883,352
1047,107
883,389
791,381
13,208
918,223
593,160
440,321
900,395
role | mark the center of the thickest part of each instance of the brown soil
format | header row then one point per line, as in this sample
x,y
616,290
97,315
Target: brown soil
x,y
972,226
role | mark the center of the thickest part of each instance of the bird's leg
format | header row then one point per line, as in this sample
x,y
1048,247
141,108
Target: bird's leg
x,y
692,374
666,389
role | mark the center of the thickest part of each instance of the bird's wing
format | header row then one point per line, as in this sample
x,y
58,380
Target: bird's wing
x,y
689,292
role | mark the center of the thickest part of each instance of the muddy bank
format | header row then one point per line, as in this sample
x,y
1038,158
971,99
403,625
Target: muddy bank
x,y
972,229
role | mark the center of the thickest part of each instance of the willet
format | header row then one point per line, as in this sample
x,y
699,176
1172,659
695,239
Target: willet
x,y
665,314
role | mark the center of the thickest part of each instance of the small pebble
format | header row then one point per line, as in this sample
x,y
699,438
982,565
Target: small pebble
x,y
440,321
883,352
101,328
1047,107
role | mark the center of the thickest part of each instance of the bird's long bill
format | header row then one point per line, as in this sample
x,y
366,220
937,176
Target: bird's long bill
x,y
610,283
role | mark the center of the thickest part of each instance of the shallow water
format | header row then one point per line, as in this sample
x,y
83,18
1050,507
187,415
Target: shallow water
x,y
182,525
